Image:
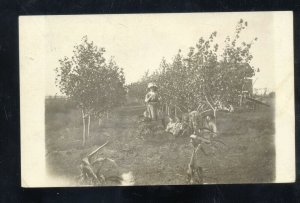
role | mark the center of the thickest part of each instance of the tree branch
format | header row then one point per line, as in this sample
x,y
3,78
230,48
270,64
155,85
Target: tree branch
x,y
178,107
96,150
205,111
209,103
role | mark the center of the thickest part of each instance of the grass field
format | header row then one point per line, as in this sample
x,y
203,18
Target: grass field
x,y
161,158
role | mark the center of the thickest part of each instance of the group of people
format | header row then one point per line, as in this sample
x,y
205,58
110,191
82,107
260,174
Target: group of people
x,y
186,125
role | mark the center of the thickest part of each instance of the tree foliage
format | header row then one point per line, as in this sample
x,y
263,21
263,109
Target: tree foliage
x,y
87,78
206,76
93,83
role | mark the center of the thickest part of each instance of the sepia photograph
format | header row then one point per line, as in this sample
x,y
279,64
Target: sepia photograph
x,y
157,99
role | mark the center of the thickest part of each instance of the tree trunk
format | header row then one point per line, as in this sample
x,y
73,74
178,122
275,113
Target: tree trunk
x,y
166,108
213,108
83,131
241,100
215,115
99,121
88,127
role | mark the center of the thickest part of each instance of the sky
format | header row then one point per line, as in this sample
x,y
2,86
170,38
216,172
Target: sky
x,y
138,42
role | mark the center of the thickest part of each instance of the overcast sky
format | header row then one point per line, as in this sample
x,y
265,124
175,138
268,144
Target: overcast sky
x,y
139,42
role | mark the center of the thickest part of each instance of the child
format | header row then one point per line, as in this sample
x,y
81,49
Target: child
x,y
174,126
186,129
209,127
177,127
171,125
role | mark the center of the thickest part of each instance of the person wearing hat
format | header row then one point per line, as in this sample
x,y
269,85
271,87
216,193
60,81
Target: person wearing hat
x,y
152,101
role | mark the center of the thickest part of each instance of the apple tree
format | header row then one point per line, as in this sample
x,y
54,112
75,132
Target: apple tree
x,y
97,86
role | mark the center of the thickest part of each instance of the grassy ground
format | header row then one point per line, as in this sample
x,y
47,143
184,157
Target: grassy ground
x,y
160,158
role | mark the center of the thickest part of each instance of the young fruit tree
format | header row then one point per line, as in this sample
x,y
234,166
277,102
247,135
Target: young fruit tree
x,y
226,79
95,85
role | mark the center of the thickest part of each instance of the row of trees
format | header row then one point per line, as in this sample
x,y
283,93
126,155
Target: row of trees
x,y
95,84
204,78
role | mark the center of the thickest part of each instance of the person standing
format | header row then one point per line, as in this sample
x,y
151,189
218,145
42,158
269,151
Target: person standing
x,y
152,101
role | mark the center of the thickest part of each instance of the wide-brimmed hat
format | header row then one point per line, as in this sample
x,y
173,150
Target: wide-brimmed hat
x,y
151,84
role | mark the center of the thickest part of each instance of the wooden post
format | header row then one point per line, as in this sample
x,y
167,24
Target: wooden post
x,y
83,132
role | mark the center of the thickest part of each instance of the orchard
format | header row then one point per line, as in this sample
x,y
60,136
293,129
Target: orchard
x,y
92,148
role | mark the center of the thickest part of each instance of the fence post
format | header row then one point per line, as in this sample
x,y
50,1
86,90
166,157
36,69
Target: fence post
x,y
83,131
